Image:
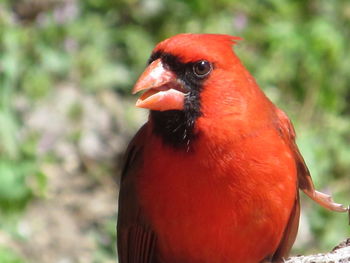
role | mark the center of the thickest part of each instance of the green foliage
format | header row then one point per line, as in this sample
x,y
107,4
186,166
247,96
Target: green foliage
x,y
106,237
297,50
7,256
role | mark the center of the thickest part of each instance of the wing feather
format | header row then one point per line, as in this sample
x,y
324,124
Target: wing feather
x,y
287,132
136,240
305,183
289,234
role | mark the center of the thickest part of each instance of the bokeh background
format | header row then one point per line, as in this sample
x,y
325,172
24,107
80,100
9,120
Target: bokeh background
x,y
66,115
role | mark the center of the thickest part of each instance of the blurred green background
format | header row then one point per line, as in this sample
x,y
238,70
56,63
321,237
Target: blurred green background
x,y
66,70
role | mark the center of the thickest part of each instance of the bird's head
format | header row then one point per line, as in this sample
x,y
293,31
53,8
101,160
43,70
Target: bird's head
x,y
191,76
180,67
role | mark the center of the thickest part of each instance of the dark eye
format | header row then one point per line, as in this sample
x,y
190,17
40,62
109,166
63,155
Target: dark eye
x,y
202,68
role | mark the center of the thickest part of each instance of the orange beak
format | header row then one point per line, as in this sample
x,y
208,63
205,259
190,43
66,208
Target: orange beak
x,y
163,90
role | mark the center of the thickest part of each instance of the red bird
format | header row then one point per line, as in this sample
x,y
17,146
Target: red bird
x,y
213,175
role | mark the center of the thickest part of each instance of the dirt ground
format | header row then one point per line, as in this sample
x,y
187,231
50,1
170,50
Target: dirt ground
x,y
81,140
63,227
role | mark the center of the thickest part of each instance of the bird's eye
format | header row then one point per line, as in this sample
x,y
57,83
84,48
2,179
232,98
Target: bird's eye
x,y
202,68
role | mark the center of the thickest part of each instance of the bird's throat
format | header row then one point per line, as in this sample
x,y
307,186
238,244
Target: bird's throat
x,y
176,128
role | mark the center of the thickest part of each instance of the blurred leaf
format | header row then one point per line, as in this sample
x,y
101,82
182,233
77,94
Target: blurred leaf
x,y
13,187
7,256
8,142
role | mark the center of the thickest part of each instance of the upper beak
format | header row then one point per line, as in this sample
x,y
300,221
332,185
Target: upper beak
x,y
163,90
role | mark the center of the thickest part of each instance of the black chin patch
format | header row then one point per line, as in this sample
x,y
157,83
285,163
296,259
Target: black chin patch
x,y
177,128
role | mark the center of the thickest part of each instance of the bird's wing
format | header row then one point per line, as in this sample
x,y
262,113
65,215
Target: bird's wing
x,y
289,234
136,240
287,132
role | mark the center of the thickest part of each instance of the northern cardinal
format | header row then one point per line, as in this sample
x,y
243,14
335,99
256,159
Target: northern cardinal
x,y
213,176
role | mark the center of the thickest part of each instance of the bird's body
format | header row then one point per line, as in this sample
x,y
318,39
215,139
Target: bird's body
x,y
214,179
210,205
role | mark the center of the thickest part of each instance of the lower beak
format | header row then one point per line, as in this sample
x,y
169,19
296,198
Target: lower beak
x,y
163,91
